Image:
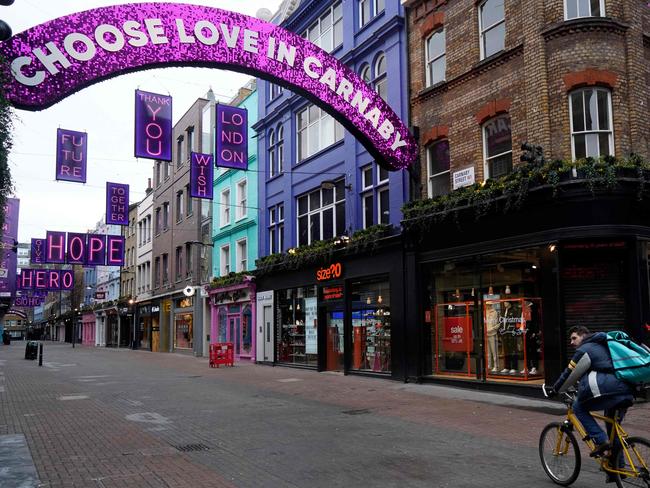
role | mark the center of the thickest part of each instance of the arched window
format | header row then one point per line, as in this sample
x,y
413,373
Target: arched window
x,y
497,146
381,81
272,154
365,73
280,149
591,123
436,57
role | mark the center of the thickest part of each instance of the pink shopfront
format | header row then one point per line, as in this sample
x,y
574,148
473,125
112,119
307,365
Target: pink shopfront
x,y
88,329
233,317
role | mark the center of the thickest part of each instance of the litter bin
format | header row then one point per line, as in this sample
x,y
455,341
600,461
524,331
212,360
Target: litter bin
x,y
31,350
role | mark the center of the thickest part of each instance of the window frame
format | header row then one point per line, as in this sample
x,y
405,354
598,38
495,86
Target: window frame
x,y
320,211
429,150
482,31
610,119
276,228
317,23
224,213
179,207
302,132
224,264
373,11
241,261
430,62
179,263
380,80
241,209
566,10
486,164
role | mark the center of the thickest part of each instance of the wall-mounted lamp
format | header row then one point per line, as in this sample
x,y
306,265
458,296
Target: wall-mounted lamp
x,y
379,299
552,247
507,289
330,185
368,300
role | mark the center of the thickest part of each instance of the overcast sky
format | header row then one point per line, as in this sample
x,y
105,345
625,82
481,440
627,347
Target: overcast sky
x,y
105,111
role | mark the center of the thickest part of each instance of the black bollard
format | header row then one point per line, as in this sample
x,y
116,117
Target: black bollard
x,y
40,354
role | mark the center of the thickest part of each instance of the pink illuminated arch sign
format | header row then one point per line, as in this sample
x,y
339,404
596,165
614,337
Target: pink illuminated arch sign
x,y
53,60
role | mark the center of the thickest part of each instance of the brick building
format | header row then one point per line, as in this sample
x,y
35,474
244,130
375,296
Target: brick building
x,y
572,77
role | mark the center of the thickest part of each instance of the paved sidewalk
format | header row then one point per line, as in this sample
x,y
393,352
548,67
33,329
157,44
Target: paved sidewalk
x,y
121,418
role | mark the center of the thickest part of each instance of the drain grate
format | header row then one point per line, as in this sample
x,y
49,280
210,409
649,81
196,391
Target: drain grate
x,y
363,411
192,447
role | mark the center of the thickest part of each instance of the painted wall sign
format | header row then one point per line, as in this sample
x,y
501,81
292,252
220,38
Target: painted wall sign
x,y
153,126
232,137
330,272
48,62
71,155
37,255
117,204
8,258
201,176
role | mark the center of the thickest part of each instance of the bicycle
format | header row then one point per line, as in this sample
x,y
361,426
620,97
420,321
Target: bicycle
x,y
559,451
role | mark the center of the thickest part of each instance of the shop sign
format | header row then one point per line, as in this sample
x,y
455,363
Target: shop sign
x,y
464,177
100,295
332,293
155,308
185,302
457,334
330,272
51,61
144,310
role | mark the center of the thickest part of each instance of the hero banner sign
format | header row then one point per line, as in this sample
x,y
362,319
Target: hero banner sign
x,y
71,155
232,137
153,126
84,249
201,176
117,204
50,61
46,279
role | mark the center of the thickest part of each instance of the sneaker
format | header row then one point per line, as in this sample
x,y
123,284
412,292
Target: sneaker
x,y
600,449
523,371
533,371
513,371
505,371
495,370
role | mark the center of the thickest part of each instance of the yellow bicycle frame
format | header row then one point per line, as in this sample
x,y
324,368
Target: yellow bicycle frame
x,y
616,432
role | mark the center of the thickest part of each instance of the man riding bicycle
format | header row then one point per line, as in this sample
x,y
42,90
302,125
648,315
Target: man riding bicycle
x,y
599,388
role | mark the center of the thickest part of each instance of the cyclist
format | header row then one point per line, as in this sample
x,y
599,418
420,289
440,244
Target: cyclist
x,y
599,388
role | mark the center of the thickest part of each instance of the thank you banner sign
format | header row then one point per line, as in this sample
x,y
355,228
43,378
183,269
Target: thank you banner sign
x,y
71,155
201,176
153,126
232,137
117,203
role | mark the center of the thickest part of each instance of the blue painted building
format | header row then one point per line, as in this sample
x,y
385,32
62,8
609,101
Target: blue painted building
x,y
300,146
235,243
317,182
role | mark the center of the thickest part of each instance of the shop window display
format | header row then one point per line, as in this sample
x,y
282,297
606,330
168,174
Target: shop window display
x,y
298,332
184,338
486,317
371,327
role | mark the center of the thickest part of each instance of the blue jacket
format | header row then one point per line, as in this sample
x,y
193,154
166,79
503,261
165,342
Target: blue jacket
x,y
592,366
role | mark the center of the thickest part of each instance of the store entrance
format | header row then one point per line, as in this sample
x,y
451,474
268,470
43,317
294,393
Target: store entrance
x,y
332,314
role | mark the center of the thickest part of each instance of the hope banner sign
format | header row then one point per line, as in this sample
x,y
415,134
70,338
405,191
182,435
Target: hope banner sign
x,y
232,137
84,249
71,155
117,204
153,126
201,176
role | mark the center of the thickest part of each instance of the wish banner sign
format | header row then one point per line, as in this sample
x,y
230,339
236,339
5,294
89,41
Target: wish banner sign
x,y
71,155
117,204
201,176
37,255
232,137
153,126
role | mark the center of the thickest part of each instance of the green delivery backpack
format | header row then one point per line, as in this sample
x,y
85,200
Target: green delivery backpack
x,y
631,360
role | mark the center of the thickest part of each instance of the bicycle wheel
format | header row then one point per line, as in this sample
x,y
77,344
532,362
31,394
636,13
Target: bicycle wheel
x,y
560,454
639,451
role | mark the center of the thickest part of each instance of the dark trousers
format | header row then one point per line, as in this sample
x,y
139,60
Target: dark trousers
x,y
510,351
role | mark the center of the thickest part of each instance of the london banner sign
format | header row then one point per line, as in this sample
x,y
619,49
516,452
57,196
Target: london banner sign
x,y
49,62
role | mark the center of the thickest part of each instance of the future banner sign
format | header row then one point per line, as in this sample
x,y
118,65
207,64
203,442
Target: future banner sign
x,y
71,155
53,60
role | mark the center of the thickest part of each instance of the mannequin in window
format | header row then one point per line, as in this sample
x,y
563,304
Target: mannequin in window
x,y
508,332
533,338
491,327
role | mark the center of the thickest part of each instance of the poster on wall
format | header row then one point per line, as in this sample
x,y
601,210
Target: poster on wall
x,y
71,155
311,326
117,204
201,176
232,137
153,126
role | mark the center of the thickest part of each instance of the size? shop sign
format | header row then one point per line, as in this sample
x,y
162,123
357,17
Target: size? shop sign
x,y
331,272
